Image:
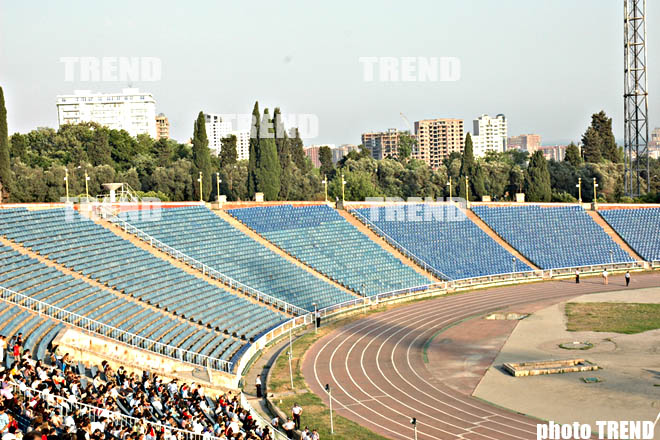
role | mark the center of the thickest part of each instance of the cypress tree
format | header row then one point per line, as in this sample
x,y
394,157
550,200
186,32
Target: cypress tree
x,y
469,169
201,156
325,157
537,179
603,126
228,154
5,169
254,152
268,164
572,155
283,144
298,152
591,146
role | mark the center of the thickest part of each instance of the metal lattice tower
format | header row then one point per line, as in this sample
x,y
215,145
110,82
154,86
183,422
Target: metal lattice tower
x,y
635,95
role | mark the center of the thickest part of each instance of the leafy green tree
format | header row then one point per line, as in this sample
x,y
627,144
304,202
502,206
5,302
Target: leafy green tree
x,y
537,179
201,156
406,146
572,155
5,167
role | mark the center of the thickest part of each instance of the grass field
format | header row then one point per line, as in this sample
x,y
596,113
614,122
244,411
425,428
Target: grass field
x,y
627,318
316,415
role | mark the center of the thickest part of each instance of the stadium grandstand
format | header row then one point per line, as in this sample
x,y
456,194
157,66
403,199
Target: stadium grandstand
x,y
62,270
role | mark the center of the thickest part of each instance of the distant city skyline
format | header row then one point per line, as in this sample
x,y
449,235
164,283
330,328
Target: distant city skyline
x,y
546,70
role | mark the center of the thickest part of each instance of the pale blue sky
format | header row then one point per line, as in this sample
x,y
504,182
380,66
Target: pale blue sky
x,y
546,64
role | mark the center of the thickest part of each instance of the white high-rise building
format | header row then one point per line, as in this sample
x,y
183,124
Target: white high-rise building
x,y
130,110
490,134
218,128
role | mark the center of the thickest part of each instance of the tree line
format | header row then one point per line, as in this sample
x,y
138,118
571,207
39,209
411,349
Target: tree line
x,y
32,167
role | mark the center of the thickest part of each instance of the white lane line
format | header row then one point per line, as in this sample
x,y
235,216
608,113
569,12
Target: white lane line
x,y
405,314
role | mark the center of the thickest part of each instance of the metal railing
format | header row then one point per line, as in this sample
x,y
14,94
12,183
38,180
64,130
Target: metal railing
x,y
655,264
397,245
207,270
98,328
261,421
97,414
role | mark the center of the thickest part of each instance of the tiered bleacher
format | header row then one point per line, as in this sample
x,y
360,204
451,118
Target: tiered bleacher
x,y
639,227
204,236
553,237
53,397
444,238
27,276
80,244
323,239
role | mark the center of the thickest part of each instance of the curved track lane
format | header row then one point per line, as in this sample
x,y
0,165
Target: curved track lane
x,y
378,377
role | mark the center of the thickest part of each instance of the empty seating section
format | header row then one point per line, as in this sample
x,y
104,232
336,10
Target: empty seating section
x,y
38,331
639,227
320,237
444,238
19,273
202,235
80,244
553,237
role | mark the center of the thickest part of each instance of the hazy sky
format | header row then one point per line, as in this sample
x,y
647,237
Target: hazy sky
x,y
546,64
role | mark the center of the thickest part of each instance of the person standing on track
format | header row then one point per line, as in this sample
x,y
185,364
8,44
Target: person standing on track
x,y
605,275
627,278
258,385
577,276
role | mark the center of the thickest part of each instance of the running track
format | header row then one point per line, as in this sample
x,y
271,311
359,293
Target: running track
x,y
379,380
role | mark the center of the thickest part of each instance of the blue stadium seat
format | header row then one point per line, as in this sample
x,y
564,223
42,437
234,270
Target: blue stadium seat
x,y
553,237
323,239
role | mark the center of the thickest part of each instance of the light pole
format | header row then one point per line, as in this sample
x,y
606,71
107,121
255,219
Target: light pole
x,y
513,260
449,185
316,327
66,183
325,184
329,391
579,187
217,184
611,256
595,186
290,357
201,198
467,190
343,182
86,185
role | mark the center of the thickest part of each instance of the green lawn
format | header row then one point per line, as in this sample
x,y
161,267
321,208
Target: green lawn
x,y
627,318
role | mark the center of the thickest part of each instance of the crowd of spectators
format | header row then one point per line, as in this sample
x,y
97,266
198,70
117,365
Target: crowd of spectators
x,y
56,399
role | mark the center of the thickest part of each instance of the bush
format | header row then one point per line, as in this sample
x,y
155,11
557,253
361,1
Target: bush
x,y
562,197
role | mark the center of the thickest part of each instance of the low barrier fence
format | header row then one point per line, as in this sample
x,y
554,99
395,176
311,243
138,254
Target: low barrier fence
x,y
98,328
